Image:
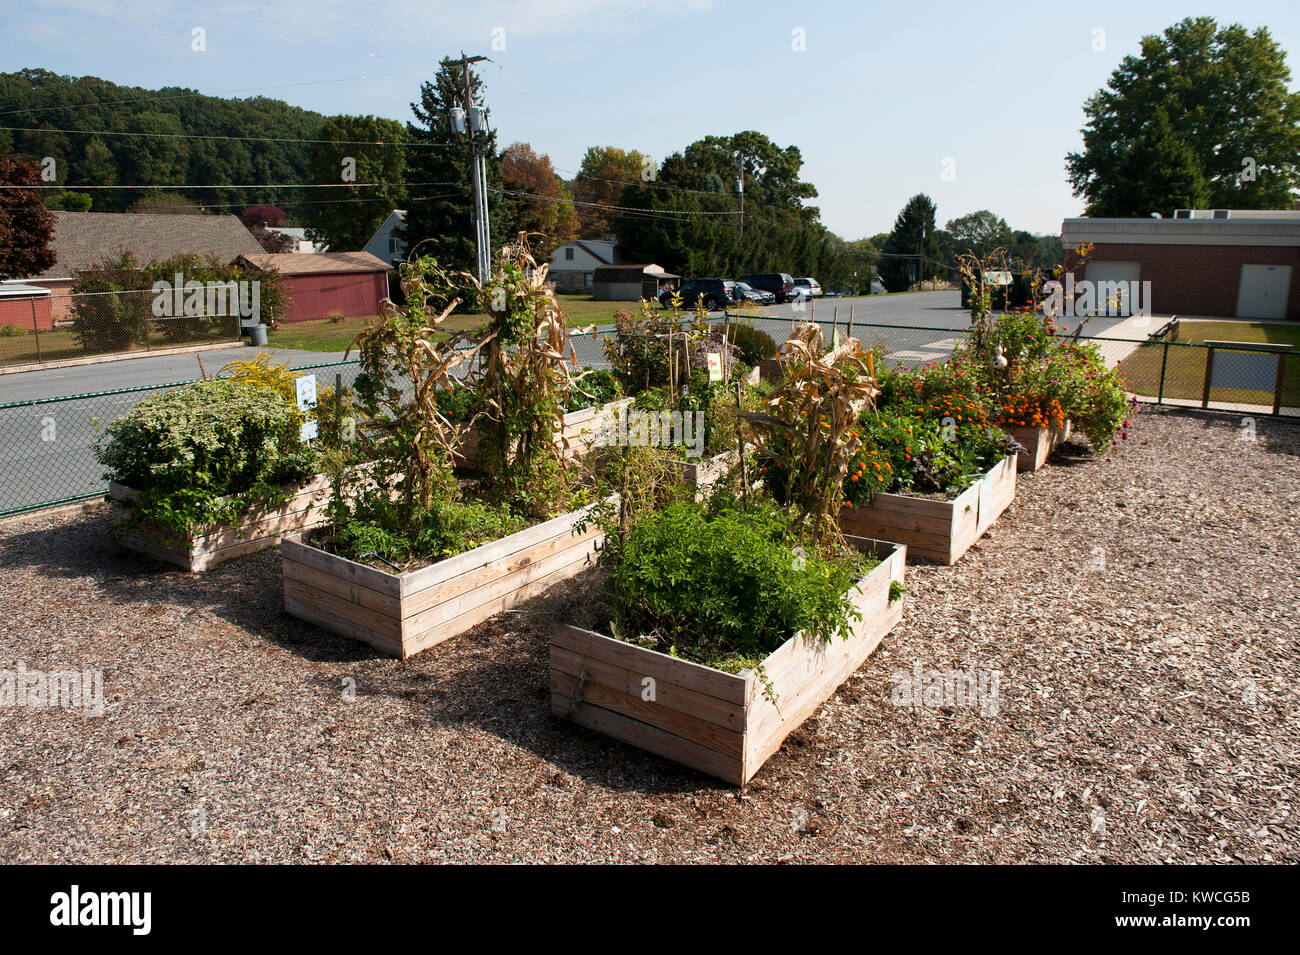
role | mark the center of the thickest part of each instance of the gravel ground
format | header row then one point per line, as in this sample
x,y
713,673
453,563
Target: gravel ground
x,y
1141,611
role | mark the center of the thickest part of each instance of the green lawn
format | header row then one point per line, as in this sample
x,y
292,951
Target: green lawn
x,y
327,335
1185,373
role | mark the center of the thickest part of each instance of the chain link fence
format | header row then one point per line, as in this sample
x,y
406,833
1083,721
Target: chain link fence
x,y
65,326
1219,376
47,446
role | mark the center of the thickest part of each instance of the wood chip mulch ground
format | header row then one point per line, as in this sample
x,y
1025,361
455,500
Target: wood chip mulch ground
x,y
1141,611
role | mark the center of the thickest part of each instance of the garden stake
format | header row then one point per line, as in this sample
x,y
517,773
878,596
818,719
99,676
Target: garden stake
x,y
740,444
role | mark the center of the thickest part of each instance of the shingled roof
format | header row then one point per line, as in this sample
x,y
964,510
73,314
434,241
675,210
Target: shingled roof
x,y
293,263
83,239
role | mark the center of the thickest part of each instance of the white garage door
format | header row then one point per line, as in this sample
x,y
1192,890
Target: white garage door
x,y
1110,288
1263,290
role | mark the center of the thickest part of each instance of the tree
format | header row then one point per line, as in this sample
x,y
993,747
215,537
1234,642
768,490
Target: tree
x,y
979,233
687,219
163,155
547,212
70,201
26,226
165,203
606,171
346,216
898,267
1157,173
443,210
264,215
1203,116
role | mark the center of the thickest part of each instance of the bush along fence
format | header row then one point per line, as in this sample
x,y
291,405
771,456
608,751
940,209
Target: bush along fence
x,y
59,327
48,445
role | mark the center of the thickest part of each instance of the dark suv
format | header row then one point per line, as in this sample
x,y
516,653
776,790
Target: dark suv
x,y
712,292
778,283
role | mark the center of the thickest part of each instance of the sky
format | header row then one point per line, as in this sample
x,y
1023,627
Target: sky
x,y
969,103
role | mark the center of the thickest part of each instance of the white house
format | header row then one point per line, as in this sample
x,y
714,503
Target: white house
x,y
301,244
574,264
383,244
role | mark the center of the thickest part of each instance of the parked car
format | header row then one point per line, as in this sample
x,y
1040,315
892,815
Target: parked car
x,y
779,284
812,285
743,292
712,292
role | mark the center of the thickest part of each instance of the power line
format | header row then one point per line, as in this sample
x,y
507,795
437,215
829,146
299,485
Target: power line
x,y
577,175
601,205
320,202
264,139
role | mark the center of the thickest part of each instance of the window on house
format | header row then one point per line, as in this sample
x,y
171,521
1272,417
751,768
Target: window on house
x,y
568,254
392,244
587,278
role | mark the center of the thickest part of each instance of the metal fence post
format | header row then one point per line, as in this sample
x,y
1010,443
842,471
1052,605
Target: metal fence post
x,y
1279,381
36,332
1164,364
1209,370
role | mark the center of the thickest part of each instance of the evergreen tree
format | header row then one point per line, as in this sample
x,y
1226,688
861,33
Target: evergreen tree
x,y
899,267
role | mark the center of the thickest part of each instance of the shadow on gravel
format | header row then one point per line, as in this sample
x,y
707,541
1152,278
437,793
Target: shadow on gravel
x,y
245,592
1274,435
494,677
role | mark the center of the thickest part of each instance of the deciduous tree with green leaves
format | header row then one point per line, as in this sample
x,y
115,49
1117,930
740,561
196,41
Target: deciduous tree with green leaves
x,y
1204,116
352,214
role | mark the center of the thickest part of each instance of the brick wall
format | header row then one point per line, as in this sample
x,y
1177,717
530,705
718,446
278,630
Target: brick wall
x,y
1199,279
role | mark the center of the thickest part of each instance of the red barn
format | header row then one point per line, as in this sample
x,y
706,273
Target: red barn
x,y
25,305
323,283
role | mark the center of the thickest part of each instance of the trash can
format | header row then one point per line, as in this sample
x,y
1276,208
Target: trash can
x,y
258,335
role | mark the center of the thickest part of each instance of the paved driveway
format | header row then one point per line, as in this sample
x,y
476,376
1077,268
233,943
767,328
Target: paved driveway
x,y
138,372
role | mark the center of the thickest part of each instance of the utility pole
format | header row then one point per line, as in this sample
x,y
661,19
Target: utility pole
x,y
740,190
920,257
478,168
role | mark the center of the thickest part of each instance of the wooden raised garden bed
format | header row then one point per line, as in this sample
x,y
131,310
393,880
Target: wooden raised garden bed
x,y
260,527
1038,444
940,531
704,472
404,613
581,429
720,723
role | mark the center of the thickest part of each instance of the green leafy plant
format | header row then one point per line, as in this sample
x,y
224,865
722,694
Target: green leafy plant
x,y
754,345
205,452
725,584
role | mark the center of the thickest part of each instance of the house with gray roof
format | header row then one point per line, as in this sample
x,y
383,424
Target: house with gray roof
x,y
574,264
84,239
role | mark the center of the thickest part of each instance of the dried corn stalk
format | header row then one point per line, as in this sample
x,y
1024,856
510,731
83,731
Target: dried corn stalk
x,y
526,370
810,433
403,363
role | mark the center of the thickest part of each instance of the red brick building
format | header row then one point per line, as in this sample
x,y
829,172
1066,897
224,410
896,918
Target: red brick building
x,y
348,283
1243,264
